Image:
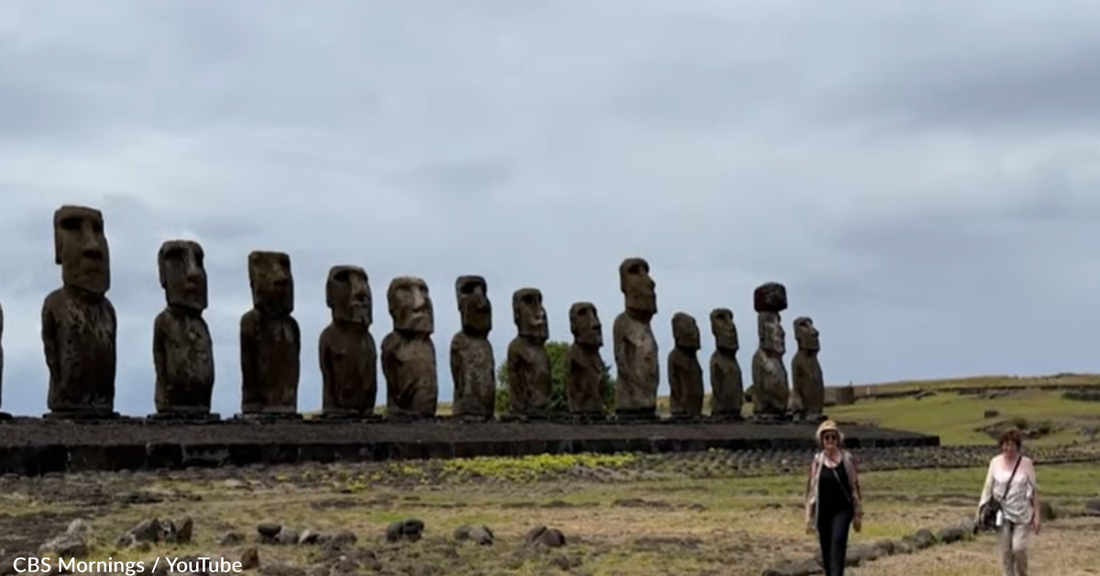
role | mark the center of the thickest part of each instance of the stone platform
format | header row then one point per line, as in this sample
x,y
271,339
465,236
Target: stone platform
x,y
30,446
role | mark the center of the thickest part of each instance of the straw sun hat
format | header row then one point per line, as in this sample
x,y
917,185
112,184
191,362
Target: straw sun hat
x,y
829,426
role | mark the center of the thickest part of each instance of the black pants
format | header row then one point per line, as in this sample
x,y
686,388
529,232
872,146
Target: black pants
x,y
832,531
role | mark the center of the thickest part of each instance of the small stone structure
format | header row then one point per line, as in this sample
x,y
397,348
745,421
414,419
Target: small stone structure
x,y
347,353
726,383
183,352
473,367
79,325
584,365
771,390
685,374
808,383
408,353
530,388
271,341
637,365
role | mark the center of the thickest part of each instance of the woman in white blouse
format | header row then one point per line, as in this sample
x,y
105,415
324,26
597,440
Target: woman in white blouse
x,y
1011,481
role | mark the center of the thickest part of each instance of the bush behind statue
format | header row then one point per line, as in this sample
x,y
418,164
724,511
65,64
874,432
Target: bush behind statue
x,y
559,403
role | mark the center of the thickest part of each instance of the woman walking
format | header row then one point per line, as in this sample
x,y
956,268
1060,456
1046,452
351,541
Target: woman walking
x,y
1013,493
834,502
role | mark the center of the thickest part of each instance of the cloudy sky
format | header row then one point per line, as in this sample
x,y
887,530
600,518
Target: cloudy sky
x,y
923,176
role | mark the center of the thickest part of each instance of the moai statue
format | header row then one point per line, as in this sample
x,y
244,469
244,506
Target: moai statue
x,y
808,383
345,350
727,390
271,342
771,391
473,368
79,324
529,385
3,415
183,353
584,365
408,354
685,374
636,362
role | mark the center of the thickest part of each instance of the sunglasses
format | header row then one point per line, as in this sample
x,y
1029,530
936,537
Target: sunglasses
x,y
828,437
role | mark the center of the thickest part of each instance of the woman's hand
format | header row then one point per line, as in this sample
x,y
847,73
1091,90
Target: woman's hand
x,y
857,523
1035,523
809,527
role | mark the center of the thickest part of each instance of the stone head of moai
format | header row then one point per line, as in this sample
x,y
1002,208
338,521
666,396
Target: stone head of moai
x,y
584,323
348,295
685,331
638,288
806,334
183,274
529,315
272,282
472,294
724,330
770,330
80,247
410,305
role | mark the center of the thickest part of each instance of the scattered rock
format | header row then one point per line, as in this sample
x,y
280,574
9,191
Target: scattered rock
x,y
269,529
309,537
287,537
543,536
410,530
73,543
342,539
480,535
924,539
180,532
250,558
991,413
1092,508
230,539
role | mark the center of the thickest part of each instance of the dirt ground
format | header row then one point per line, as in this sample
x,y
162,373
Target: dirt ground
x,y
618,517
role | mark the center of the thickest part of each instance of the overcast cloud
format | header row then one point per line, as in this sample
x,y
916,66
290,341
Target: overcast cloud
x,y
923,176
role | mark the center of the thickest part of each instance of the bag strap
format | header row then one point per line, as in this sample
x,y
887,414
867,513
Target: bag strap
x,y
1008,485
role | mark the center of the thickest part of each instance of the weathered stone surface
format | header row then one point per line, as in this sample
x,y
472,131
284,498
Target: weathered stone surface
x,y
183,352
79,325
637,366
529,384
685,374
408,353
770,297
726,381
771,391
543,536
808,382
585,365
473,366
271,341
410,530
346,349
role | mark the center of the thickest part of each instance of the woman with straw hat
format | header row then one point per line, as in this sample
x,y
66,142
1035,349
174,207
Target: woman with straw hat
x,y
834,502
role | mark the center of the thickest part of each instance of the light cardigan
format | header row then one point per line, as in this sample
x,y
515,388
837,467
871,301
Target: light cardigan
x,y
1018,507
812,485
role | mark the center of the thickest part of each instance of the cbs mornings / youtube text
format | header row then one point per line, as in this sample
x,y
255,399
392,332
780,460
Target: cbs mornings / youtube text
x,y
199,565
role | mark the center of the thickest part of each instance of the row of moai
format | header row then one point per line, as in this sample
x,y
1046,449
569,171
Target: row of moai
x,y
79,340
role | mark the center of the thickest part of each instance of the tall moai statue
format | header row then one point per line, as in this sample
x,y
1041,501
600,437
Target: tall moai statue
x,y
771,390
584,365
473,368
79,325
727,389
271,342
183,352
807,380
3,415
530,388
408,354
685,374
346,350
636,362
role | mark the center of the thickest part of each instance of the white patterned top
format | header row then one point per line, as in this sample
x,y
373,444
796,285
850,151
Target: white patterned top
x,y
1016,506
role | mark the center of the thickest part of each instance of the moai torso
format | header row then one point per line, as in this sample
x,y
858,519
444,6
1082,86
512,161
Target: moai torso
x,y
473,368
271,342
408,354
346,351
685,375
585,366
771,388
183,352
727,386
807,381
636,361
530,387
79,324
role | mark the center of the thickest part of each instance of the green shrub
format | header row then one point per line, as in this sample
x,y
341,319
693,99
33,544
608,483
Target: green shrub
x,y
559,402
